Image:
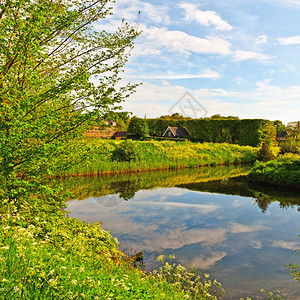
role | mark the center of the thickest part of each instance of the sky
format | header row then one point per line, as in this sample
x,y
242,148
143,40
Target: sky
x,y
200,58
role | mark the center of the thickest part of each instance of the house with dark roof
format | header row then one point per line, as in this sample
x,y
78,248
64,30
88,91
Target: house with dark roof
x,y
176,132
282,136
120,135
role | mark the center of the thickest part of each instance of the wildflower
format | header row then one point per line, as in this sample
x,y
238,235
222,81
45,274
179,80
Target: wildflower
x,y
81,269
51,272
63,267
4,279
160,258
52,282
16,289
74,281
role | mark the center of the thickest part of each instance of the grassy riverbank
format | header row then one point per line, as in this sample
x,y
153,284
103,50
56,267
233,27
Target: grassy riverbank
x,y
284,171
48,256
157,155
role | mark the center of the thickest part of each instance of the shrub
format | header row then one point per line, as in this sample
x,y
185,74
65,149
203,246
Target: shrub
x,y
266,153
290,146
126,151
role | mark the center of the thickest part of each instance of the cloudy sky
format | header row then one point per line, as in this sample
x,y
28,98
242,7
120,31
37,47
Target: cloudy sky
x,y
233,57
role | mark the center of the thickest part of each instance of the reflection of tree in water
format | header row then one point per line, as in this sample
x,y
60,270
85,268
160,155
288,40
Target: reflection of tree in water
x,y
126,189
263,202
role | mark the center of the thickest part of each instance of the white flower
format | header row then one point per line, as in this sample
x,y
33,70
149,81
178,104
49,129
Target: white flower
x,y
16,289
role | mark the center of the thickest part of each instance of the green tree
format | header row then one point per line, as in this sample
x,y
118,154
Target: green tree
x,y
280,127
56,75
138,127
294,129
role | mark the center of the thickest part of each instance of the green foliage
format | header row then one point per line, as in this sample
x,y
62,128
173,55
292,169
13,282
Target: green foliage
x,y
294,129
280,127
138,127
290,145
126,151
157,155
219,129
254,132
194,286
284,171
265,153
50,57
63,258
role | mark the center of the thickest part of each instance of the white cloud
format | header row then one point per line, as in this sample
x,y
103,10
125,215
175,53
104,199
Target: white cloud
x,y
183,43
206,74
206,18
129,9
241,55
264,86
292,40
262,39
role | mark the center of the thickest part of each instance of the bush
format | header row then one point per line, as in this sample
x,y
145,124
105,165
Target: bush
x,y
290,146
126,151
266,153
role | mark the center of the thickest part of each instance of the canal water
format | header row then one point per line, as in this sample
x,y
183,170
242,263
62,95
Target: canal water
x,y
243,235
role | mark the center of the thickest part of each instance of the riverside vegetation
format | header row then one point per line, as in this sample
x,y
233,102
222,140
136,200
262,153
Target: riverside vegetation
x,y
283,171
105,156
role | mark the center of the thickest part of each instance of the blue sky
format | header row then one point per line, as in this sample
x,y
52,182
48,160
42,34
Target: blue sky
x,y
235,57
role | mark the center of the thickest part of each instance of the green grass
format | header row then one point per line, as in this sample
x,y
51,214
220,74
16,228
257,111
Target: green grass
x,y
62,258
157,155
284,171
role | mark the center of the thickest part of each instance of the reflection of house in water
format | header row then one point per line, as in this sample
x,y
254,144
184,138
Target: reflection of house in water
x,y
176,132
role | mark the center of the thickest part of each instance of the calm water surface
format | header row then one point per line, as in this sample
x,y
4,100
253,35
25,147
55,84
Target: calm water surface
x,y
242,235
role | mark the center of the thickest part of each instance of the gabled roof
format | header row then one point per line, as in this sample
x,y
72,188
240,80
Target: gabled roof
x,y
178,131
283,134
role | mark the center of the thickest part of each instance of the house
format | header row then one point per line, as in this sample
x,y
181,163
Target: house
x,y
282,136
102,131
120,134
110,123
176,132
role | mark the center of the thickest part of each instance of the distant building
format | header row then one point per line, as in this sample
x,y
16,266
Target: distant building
x,y
110,123
120,134
102,131
282,136
176,132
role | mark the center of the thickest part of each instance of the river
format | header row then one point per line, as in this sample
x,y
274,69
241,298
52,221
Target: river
x,y
242,234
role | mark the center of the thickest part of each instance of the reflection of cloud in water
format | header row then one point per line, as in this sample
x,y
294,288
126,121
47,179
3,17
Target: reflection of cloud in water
x,y
204,208
286,245
175,238
241,228
160,193
205,262
255,244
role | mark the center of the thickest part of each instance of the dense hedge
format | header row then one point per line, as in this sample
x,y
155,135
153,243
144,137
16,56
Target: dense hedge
x,y
252,132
